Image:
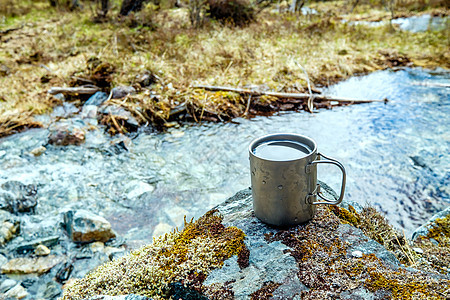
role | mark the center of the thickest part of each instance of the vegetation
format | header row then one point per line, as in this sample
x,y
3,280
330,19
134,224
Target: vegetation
x,y
43,46
187,256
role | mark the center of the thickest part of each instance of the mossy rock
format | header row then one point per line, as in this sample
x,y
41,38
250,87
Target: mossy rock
x,y
230,254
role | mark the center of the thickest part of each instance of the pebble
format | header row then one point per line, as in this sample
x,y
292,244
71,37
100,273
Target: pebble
x,y
97,246
26,265
41,250
7,285
38,151
357,253
3,260
418,250
17,292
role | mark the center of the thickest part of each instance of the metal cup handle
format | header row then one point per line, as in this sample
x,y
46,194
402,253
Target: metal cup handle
x,y
317,192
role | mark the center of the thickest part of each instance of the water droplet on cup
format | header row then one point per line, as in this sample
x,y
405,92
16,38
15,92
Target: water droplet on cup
x,y
280,187
264,182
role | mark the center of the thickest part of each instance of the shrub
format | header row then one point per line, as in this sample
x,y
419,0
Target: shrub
x,y
235,12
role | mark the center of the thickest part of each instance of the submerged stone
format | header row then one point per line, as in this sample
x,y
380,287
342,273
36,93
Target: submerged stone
x,y
18,197
68,132
85,226
26,265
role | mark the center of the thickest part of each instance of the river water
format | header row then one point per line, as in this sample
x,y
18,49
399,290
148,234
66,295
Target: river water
x,y
396,156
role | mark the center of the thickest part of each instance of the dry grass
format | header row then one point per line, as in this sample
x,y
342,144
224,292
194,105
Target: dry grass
x,y
52,46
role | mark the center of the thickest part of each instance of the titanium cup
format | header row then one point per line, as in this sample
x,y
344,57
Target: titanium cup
x,y
285,190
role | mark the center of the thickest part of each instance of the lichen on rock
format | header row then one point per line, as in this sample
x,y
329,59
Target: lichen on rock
x,y
179,256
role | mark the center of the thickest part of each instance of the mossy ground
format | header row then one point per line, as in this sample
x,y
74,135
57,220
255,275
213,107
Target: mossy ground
x,y
51,47
187,256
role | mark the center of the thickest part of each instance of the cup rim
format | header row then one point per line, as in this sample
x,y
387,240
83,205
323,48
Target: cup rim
x,y
281,136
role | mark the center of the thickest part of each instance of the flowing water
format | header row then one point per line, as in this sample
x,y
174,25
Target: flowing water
x,y
413,24
396,156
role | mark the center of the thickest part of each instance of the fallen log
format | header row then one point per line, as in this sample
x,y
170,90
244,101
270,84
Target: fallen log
x,y
303,96
79,90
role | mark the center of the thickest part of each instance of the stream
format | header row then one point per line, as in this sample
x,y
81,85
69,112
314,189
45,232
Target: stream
x,y
396,156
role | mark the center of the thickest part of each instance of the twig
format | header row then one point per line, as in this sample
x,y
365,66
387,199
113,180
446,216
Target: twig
x,y
302,96
248,105
85,90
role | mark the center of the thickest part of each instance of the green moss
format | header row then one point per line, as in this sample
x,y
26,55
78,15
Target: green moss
x,y
202,246
440,231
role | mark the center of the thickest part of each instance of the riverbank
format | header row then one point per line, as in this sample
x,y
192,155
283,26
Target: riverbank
x,y
161,56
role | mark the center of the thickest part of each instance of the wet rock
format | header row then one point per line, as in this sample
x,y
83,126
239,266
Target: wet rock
x,y
178,291
7,285
7,231
49,241
97,99
3,260
41,250
89,112
17,292
51,290
423,230
85,226
136,188
18,197
66,133
26,265
122,91
38,151
121,114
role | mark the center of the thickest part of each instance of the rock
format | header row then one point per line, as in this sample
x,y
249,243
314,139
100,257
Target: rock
x,y
122,91
7,231
89,112
97,246
7,285
51,290
66,133
32,245
26,265
85,226
161,229
41,250
97,99
17,292
424,230
176,214
357,253
121,114
323,258
38,151
136,188
125,297
418,250
146,79
3,260
18,197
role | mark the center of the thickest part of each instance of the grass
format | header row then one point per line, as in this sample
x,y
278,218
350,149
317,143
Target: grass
x,y
50,46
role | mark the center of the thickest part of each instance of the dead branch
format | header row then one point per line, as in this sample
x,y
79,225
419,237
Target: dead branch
x,y
79,90
302,96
